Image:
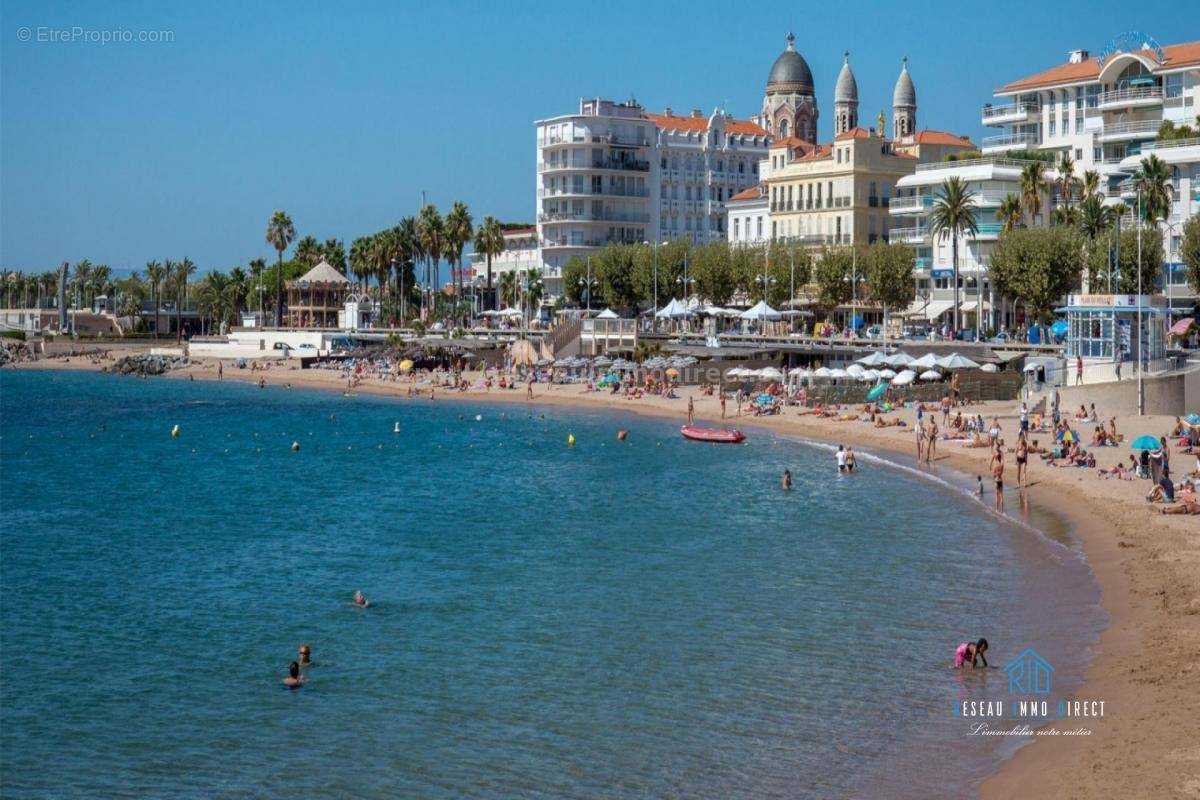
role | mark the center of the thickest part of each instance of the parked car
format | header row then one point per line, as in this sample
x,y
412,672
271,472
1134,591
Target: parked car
x,y
917,331
1000,338
965,335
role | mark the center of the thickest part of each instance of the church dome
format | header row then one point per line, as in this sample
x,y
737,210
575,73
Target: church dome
x,y
846,90
790,72
905,93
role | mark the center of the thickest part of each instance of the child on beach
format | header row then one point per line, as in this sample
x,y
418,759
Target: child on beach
x,y
970,651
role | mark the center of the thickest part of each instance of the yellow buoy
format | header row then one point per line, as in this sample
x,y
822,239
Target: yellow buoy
x,y
295,447
570,440
175,432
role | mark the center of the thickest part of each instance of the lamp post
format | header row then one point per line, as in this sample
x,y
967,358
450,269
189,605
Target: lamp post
x,y
1170,226
1141,346
588,284
853,285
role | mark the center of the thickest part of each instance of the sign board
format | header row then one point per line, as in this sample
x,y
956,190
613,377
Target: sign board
x,y
1115,301
942,273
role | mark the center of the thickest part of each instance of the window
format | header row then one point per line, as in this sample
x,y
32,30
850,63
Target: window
x,y
760,227
839,155
1052,131
1079,154
1097,154
737,227
1174,85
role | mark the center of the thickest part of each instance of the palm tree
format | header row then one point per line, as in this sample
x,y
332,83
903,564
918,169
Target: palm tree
x,y
360,258
308,251
155,273
1066,184
535,288
458,232
258,266
508,288
489,240
1091,183
1094,217
433,240
280,233
238,286
101,280
183,269
1153,180
1033,186
953,215
1010,213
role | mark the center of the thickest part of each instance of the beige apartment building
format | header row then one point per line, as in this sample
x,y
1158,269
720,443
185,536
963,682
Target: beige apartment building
x,y
836,193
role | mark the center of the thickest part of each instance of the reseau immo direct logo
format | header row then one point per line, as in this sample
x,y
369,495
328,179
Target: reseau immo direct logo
x,y
1030,702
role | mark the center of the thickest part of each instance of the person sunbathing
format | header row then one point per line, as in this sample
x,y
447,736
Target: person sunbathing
x,y
1179,429
1117,471
1189,507
882,422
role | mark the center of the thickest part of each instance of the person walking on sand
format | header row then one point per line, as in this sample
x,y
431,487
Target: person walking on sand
x,y
931,447
1079,370
220,370
919,429
691,410
722,405
1022,457
998,466
529,390
954,389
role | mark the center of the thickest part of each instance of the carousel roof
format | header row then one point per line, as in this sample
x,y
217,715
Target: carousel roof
x,y
323,272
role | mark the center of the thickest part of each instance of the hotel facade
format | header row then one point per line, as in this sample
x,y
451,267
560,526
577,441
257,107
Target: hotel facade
x,y
1105,111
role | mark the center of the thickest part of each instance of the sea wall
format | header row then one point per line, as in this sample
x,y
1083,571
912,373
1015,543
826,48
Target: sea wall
x,y
1176,394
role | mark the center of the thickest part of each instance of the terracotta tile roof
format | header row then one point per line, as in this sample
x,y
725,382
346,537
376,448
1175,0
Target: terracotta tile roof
x,y
698,124
941,137
753,193
790,142
854,133
1175,55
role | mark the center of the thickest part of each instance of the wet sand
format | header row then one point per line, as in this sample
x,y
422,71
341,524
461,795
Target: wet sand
x,y
1146,564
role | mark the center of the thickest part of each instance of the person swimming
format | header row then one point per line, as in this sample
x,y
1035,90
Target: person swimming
x,y
361,600
970,651
293,680
787,480
305,655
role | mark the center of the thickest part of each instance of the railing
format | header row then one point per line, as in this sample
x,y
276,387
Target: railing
x,y
989,229
1148,127
990,198
920,202
607,216
917,234
1123,96
991,112
544,192
996,161
1009,140
922,262
612,138
1169,144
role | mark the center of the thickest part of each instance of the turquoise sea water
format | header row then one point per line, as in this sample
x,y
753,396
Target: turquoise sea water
x,y
651,618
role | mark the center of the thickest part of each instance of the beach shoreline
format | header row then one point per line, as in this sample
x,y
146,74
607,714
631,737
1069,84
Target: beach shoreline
x,y
1145,565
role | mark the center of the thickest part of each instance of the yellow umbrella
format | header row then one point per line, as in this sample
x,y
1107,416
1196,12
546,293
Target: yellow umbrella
x,y
673,373
406,365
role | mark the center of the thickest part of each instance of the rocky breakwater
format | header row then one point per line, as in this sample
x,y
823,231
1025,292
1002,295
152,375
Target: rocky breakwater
x,y
145,364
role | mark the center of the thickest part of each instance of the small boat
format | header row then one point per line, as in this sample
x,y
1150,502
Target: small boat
x,y
711,435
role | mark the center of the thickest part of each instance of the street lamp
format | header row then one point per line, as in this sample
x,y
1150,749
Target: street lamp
x,y
588,284
1170,226
1141,346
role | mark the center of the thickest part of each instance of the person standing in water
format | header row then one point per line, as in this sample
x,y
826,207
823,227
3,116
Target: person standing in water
x,y
851,463
919,429
1022,457
293,680
360,600
786,483
841,459
305,655
691,410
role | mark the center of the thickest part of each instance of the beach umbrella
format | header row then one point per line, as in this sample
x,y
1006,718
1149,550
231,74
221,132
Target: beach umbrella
x,y
1145,443
899,359
607,313
736,372
821,372
1069,436
1059,328
838,373
989,368
770,374
871,375
877,391
1194,419
955,361
405,365
855,370
930,375
927,361
904,378
887,373
672,373
798,372
761,311
875,359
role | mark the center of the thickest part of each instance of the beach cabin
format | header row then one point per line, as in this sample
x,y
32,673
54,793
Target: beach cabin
x,y
1107,328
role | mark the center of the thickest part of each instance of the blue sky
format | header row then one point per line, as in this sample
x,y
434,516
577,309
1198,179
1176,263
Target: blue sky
x,y
343,113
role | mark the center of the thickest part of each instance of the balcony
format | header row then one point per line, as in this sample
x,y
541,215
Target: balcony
x,y
1124,131
990,199
915,235
988,230
917,204
923,262
1137,97
593,192
584,216
1008,141
621,141
1011,114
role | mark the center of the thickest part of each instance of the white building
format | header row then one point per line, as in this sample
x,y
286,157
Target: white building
x,y
749,216
614,173
521,254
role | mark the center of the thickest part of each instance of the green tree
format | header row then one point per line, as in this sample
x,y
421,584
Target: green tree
x,y
258,266
574,275
489,242
1033,185
1066,184
334,253
308,251
1010,214
614,267
183,270
1190,251
1153,179
712,265
280,233
508,289
459,228
156,273
671,256
889,273
953,215
432,233
833,274
1037,266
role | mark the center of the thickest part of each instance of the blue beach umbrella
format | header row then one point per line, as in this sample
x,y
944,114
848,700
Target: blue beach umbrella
x,y
877,391
1194,419
1059,328
856,322
1145,443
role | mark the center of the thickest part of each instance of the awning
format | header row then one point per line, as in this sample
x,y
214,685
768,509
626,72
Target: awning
x,y
936,308
1183,326
969,306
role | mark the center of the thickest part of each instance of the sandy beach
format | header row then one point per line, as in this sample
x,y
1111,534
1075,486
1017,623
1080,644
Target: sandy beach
x,y
1146,564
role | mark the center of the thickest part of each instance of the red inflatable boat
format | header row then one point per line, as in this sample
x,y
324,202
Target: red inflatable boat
x,y
711,435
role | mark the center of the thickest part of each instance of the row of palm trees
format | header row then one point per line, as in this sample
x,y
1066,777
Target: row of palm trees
x,y
953,212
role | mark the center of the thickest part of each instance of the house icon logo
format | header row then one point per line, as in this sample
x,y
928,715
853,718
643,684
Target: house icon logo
x,y
1029,673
